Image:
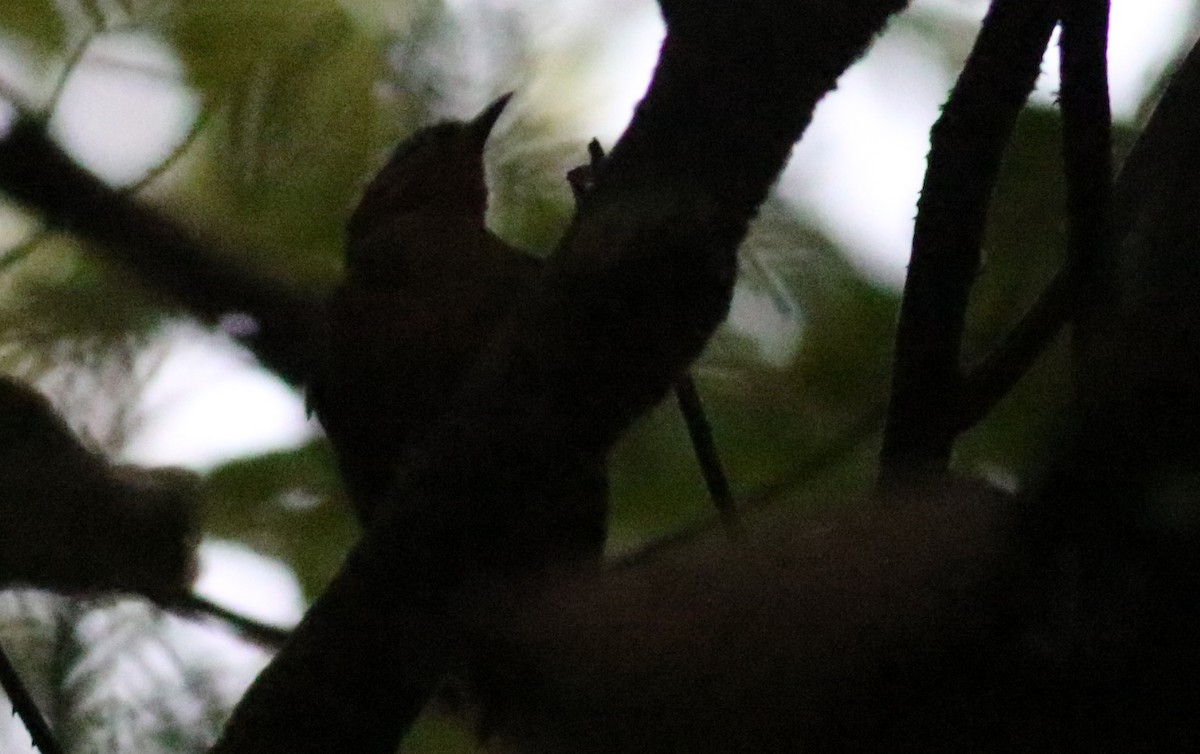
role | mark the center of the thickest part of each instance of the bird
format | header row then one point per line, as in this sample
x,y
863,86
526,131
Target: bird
x,y
426,285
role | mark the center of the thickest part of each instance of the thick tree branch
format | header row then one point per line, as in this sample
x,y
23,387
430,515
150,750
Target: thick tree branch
x,y
1138,387
208,280
968,141
642,277
691,407
1087,153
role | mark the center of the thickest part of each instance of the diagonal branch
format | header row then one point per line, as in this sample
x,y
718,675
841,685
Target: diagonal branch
x,y
968,141
988,381
705,449
197,272
687,397
266,635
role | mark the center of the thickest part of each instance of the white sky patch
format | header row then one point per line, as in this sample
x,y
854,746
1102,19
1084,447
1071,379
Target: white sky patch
x,y
775,331
861,164
210,402
620,72
124,107
236,577
1143,34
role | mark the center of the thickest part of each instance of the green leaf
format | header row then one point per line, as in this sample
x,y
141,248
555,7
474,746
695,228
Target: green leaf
x,y
36,21
222,42
288,504
297,121
57,293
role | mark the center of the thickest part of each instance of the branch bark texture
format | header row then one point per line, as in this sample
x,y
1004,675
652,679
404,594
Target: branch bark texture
x,y
968,142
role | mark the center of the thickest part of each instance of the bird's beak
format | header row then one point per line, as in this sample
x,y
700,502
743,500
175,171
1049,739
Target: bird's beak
x,y
482,124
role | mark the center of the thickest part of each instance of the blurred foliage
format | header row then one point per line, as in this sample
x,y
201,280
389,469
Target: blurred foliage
x,y
287,504
295,121
120,675
35,22
1023,248
300,100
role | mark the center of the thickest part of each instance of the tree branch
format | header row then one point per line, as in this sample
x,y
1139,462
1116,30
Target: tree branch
x,y
1087,279
199,273
642,277
705,450
968,141
1138,389
26,708
988,381
1087,153
691,407
265,635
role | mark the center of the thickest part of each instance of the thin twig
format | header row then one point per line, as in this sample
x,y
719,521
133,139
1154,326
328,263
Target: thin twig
x,y
26,708
264,634
700,432
968,141
69,66
14,254
987,382
180,149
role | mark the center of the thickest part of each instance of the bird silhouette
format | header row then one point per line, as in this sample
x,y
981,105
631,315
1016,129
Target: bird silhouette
x,y
426,286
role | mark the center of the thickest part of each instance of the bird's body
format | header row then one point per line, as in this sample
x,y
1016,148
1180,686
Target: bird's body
x,y
426,287
400,346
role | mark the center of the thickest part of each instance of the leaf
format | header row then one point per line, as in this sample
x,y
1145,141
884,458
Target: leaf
x,y
36,21
298,123
288,503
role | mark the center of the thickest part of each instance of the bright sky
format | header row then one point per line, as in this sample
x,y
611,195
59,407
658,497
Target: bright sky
x,y
864,155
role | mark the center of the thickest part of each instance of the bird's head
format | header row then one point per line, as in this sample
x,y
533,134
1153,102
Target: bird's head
x,y
439,168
